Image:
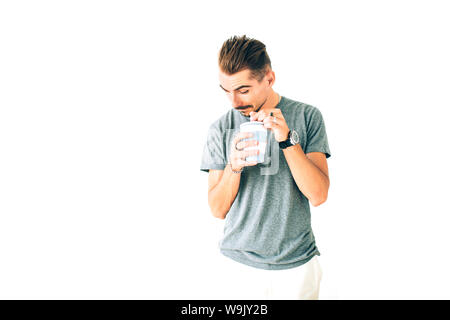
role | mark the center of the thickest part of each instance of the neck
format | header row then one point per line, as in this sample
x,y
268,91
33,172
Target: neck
x,y
272,102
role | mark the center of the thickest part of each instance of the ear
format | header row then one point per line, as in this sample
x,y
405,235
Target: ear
x,y
270,75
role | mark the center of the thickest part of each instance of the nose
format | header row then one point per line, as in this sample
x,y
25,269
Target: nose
x,y
235,102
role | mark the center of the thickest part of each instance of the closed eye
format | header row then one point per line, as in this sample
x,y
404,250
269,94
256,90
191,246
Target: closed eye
x,y
244,92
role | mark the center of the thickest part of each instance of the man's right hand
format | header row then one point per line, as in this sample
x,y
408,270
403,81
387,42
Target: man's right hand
x,y
238,155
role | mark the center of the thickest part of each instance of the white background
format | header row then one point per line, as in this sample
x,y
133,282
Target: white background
x,y
105,107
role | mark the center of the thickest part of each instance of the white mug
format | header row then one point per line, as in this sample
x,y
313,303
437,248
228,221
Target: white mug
x,y
260,134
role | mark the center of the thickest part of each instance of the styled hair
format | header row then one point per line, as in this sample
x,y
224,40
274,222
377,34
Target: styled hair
x,y
240,53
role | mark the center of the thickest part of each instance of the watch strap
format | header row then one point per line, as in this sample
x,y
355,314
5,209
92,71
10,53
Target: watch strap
x,y
286,143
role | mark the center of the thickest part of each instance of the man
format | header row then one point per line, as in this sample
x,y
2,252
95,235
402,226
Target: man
x,y
267,216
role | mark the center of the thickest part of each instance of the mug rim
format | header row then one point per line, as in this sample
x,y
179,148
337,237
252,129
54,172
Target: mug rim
x,y
251,123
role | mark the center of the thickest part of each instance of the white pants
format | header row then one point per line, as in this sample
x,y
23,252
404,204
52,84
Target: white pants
x,y
240,281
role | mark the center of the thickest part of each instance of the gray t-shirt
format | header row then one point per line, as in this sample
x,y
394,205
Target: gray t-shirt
x,y
269,223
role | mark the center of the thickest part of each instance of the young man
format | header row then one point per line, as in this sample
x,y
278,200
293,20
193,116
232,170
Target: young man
x,y
268,221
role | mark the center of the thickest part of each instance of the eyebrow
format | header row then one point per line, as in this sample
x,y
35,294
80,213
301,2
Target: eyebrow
x,y
238,88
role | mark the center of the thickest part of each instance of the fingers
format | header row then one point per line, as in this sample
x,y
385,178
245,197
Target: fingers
x,y
241,135
248,153
242,156
248,143
258,116
271,122
239,155
262,115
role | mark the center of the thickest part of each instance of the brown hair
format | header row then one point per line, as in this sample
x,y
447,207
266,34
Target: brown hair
x,y
240,53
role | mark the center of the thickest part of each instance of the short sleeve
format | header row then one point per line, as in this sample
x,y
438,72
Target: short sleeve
x,y
317,140
214,151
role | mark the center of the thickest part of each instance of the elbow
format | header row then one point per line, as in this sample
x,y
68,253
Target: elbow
x,y
318,200
217,212
220,216
217,209
320,196
318,193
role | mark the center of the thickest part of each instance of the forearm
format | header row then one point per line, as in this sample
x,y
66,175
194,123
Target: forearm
x,y
311,181
222,196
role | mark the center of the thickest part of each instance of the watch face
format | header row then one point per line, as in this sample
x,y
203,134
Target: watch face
x,y
294,137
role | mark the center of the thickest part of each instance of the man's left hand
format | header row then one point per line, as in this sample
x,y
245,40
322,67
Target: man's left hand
x,y
276,123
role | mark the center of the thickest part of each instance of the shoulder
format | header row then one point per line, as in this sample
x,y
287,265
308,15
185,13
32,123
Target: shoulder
x,y
304,111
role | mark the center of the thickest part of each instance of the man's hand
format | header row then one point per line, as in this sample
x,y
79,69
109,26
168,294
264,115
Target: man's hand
x,y
276,123
238,155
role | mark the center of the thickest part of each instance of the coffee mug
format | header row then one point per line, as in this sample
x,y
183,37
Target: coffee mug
x,y
260,134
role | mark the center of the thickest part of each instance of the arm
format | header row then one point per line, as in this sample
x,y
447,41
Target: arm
x,y
223,186
310,173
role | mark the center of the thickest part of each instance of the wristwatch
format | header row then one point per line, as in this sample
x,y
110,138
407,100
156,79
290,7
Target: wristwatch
x,y
290,141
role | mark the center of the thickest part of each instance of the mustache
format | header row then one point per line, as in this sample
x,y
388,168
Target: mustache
x,y
243,107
